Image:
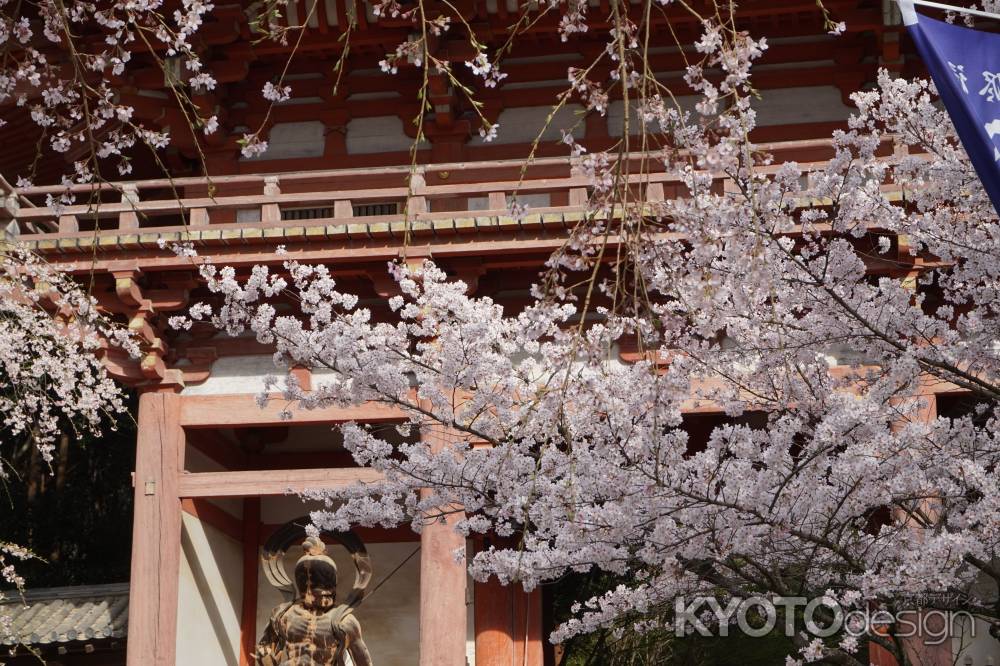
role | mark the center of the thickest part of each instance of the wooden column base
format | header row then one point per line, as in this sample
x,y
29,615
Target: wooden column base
x,y
508,625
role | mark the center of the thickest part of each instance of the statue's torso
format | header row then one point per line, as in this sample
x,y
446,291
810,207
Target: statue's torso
x,y
309,639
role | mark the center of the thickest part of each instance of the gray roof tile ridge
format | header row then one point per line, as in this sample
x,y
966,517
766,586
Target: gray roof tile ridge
x,y
68,592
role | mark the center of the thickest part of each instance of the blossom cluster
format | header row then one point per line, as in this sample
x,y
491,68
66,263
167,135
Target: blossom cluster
x,y
51,337
9,554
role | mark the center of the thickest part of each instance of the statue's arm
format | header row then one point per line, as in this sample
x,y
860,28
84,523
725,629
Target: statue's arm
x,y
267,646
355,644
264,655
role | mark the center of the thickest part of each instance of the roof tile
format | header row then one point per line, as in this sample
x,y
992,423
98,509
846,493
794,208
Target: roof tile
x,y
66,614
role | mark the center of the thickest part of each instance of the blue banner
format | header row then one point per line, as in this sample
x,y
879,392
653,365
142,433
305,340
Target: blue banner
x,y
965,66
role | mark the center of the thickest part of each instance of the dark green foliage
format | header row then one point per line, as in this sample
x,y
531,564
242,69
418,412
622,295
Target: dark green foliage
x,y
76,515
656,648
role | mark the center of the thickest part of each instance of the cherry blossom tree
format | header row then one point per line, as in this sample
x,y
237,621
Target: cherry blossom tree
x,y
816,301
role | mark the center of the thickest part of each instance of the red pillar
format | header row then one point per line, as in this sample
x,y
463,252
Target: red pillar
x,y
442,584
156,532
879,656
508,625
923,409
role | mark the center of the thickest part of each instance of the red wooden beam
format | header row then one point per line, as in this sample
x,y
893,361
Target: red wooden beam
x,y
401,534
242,410
271,482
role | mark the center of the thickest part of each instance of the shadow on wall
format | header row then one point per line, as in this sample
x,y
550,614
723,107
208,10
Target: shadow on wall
x,y
210,597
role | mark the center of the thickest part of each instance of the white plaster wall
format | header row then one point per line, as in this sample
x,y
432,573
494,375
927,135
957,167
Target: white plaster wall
x,y
294,140
282,508
979,649
248,215
321,374
536,200
810,104
311,14
380,134
210,595
470,612
836,355
616,115
236,374
972,644
522,124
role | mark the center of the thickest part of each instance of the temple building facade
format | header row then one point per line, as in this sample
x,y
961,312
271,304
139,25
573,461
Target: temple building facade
x,y
216,473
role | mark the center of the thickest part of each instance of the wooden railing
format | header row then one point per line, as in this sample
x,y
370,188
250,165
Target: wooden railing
x,y
258,206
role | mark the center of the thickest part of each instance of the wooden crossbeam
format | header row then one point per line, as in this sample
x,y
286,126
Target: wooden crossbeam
x,y
400,534
266,483
242,410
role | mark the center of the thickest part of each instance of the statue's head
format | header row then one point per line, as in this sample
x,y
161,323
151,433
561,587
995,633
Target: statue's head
x,y
316,576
